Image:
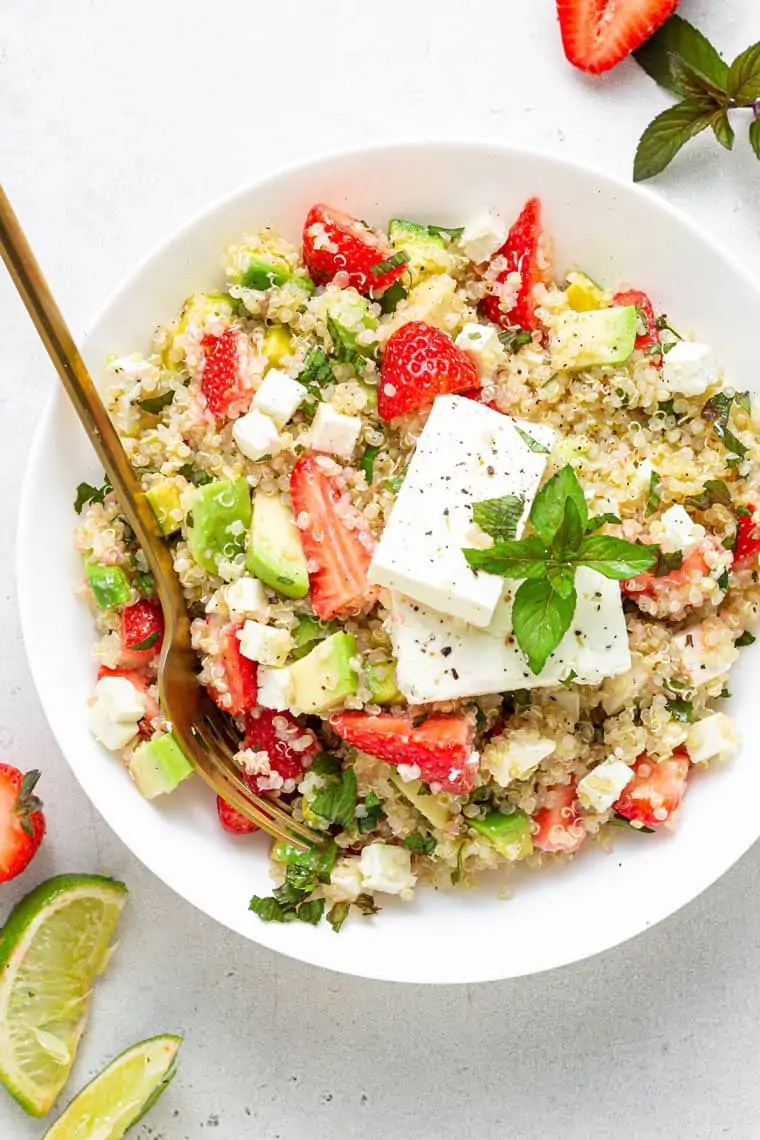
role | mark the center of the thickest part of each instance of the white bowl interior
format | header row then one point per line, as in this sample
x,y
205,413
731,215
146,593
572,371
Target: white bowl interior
x,y
620,235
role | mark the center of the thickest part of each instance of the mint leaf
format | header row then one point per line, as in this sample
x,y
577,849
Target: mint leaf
x,y
743,400
156,404
512,339
389,302
692,82
337,915
681,710
754,136
598,521
666,563
530,442
499,518
614,557
620,821
540,619
723,131
337,802
420,844
744,77
679,39
325,764
548,508
148,642
737,450
268,910
194,475
745,639
523,559
452,232
714,492
562,579
316,373
86,493
392,262
668,133
367,463
567,540
374,813
654,498
311,911
718,408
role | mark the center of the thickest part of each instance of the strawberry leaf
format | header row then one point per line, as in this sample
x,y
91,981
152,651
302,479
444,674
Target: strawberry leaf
x,y
744,77
668,133
678,39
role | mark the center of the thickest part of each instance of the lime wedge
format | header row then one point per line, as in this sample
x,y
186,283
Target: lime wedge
x,y
119,1096
53,946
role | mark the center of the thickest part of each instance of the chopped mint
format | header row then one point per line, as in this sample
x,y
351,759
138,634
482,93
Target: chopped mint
x,y
337,915
156,404
420,844
374,813
745,639
367,463
336,803
530,442
499,518
681,710
194,475
654,498
148,642
86,493
392,262
515,338
390,299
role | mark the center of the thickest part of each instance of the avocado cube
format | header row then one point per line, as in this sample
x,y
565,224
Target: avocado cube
x,y
159,766
380,677
307,632
509,834
603,336
109,584
348,316
275,554
326,676
217,519
426,804
425,248
261,274
165,504
278,343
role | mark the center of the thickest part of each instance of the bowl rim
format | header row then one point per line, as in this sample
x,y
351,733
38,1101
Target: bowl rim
x,y
308,952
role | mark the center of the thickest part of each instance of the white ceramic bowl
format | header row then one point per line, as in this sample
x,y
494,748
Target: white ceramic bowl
x,y
617,233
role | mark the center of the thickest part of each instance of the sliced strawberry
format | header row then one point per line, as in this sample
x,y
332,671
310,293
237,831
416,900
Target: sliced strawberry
x,y
597,34
334,242
420,363
221,381
522,254
747,546
335,538
22,823
142,631
650,336
439,746
232,820
289,747
240,688
141,683
558,821
655,793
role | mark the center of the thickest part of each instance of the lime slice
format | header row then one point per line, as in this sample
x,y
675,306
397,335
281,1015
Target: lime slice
x,y
119,1096
53,946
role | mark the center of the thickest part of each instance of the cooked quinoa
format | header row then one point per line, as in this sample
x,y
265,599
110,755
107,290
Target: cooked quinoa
x,y
663,449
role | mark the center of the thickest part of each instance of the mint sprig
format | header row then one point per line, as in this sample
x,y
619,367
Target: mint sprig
x,y
683,61
546,600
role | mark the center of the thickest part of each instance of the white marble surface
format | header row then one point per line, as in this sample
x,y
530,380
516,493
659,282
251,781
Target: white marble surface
x,y
118,122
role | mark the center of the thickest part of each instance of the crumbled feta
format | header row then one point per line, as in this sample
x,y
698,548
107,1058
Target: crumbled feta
x,y
689,368
678,531
256,435
246,596
275,688
279,397
333,432
515,755
601,787
482,236
700,661
135,367
345,881
265,643
713,738
388,869
116,711
482,343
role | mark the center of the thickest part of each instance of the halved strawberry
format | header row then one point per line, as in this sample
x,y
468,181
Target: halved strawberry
x,y
141,683
142,631
420,363
221,381
649,337
232,820
522,254
22,823
290,749
747,546
240,675
597,34
334,242
335,538
439,746
558,821
655,793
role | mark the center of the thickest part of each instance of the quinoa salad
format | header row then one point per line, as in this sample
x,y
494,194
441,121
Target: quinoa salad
x,y
469,549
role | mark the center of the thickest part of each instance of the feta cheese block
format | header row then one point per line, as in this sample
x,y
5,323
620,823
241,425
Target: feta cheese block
x,y
440,659
482,237
465,454
689,368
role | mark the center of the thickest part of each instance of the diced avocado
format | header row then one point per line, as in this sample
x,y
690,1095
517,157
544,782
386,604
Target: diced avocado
x,y
261,274
307,632
164,500
159,766
428,805
278,343
217,520
424,246
583,294
109,584
381,682
509,834
318,862
326,676
274,550
603,336
201,309
348,316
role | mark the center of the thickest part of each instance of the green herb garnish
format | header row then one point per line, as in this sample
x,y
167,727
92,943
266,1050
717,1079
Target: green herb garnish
x,y
86,493
715,492
420,844
717,411
456,874
390,299
325,764
392,262
336,803
620,821
654,498
317,371
367,463
195,475
745,639
144,583
515,338
156,404
598,521
374,813
681,710
337,915
148,642
666,563
530,442
499,518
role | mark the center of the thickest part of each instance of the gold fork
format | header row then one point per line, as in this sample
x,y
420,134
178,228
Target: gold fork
x,y
204,733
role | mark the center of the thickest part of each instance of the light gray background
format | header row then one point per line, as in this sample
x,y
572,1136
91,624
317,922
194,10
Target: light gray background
x,y
117,123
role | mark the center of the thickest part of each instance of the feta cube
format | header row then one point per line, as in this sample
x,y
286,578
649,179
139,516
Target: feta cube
x,y
466,453
483,236
702,662
481,342
345,881
116,711
279,397
265,643
246,596
515,754
600,788
689,368
712,738
333,432
388,869
275,688
256,435
678,531
439,659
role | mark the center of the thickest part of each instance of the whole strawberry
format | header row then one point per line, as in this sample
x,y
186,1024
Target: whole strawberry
x,y
22,824
420,363
334,242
